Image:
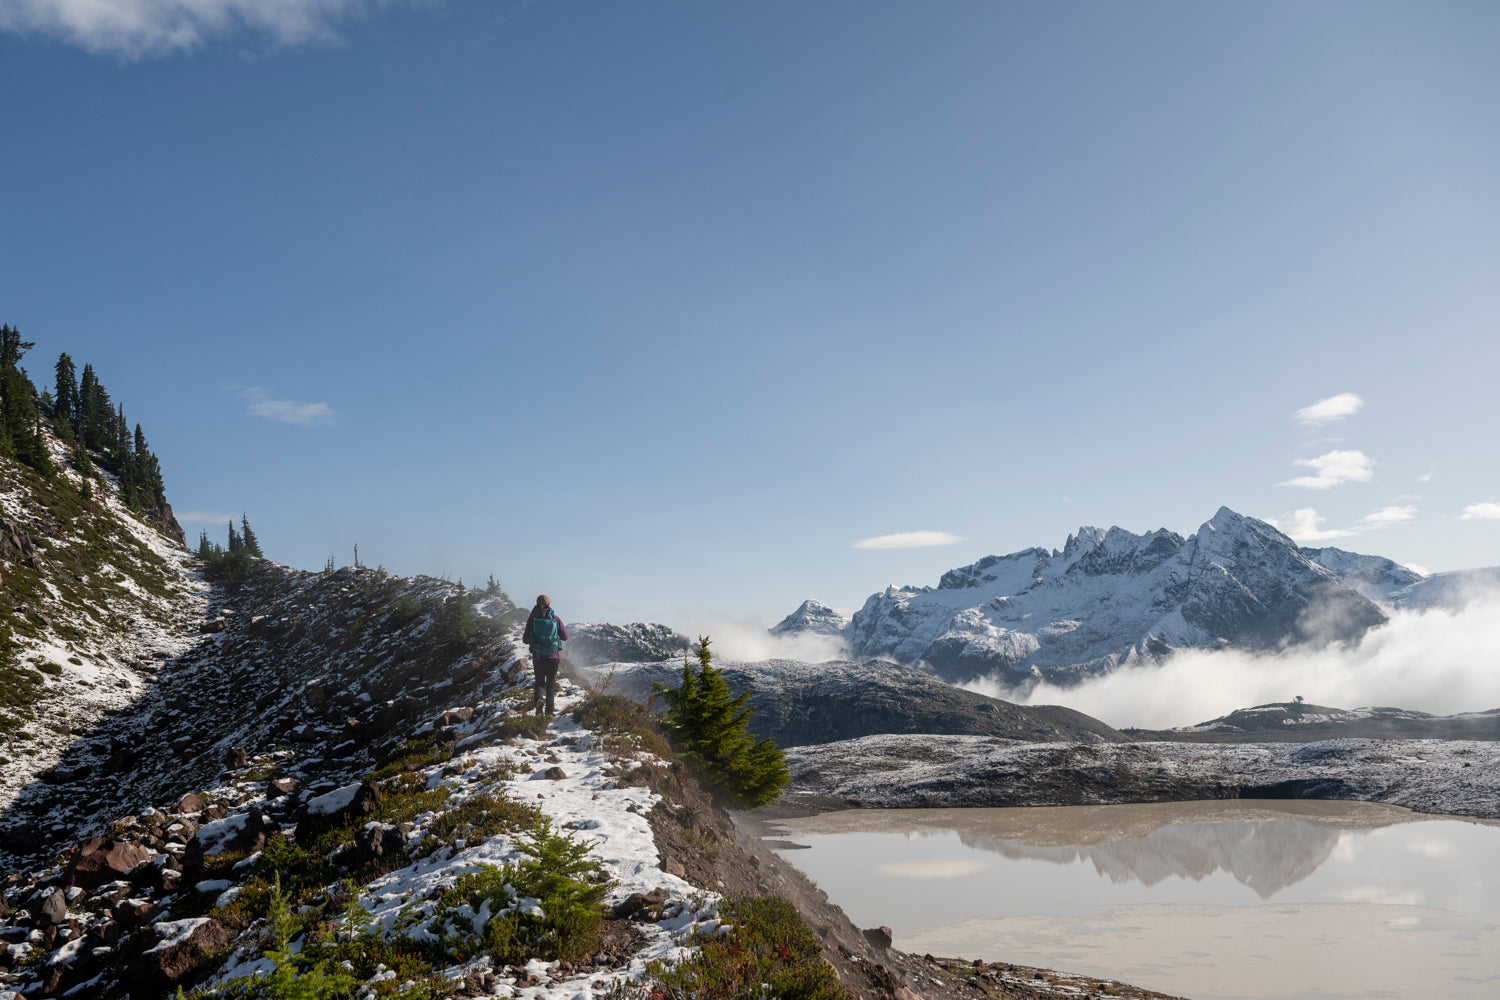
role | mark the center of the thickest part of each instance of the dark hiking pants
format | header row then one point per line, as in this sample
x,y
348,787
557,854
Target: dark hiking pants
x,y
544,669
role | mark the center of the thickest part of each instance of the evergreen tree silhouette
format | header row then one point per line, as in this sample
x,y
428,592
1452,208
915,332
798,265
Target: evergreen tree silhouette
x,y
248,539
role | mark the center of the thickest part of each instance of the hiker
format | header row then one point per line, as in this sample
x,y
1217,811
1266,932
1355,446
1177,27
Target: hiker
x,y
545,634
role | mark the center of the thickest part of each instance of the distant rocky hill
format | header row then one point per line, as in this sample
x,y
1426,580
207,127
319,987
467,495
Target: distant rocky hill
x,y
591,644
1300,722
805,703
1113,597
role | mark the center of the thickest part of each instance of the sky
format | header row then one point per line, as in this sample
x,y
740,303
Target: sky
x,y
671,310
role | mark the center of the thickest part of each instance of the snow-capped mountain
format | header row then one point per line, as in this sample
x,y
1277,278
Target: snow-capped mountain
x,y
812,617
1110,597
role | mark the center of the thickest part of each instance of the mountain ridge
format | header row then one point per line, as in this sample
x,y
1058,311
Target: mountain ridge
x,y
1112,597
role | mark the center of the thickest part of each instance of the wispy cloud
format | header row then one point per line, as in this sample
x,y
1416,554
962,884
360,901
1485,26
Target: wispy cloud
x,y
1324,411
1390,515
203,517
1305,525
136,28
260,403
1481,512
908,540
1334,468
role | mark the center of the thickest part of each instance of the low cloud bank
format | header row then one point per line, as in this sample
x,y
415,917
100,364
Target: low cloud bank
x,y
1437,661
746,640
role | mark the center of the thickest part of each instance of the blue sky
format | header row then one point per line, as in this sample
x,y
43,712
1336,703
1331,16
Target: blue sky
x,y
661,308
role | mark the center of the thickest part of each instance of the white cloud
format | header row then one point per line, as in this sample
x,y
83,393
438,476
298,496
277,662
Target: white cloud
x,y
204,517
136,28
908,540
1432,661
1390,515
259,402
1481,512
1334,468
1306,525
1345,404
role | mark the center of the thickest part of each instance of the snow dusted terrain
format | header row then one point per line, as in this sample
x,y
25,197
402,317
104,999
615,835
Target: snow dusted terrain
x,y
1460,778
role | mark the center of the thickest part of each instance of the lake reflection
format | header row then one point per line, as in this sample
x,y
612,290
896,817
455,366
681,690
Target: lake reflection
x,y
1230,899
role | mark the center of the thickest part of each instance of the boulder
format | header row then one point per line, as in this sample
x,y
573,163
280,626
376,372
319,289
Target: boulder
x,y
236,758
455,716
338,806
651,902
100,861
191,803
315,694
377,840
241,832
880,937
281,786
182,946
130,914
49,908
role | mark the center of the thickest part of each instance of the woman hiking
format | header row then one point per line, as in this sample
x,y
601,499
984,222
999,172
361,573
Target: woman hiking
x,y
545,634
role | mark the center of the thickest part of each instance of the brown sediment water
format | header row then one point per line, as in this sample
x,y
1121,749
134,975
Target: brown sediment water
x,y
1223,900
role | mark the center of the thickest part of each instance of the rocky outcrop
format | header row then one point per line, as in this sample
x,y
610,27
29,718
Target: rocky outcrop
x,y
180,949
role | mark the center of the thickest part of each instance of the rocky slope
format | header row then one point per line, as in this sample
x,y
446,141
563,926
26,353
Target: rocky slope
x,y
93,600
1113,597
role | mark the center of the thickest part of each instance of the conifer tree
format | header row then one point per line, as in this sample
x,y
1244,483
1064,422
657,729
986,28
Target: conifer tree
x,y
248,539
711,726
66,404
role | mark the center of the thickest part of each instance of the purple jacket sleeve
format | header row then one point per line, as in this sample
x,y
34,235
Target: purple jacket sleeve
x,y
562,630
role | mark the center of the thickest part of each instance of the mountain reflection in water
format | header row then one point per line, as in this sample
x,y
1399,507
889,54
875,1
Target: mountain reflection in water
x,y
1266,855
1264,845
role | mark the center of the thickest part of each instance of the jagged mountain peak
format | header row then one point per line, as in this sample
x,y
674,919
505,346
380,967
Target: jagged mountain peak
x,y
812,617
1109,597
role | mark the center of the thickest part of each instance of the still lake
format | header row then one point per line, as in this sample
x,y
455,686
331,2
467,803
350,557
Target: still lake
x,y
1226,900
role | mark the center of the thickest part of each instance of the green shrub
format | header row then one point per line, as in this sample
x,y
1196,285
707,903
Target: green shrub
x,y
624,726
482,816
558,873
50,668
710,726
770,952
415,755
534,726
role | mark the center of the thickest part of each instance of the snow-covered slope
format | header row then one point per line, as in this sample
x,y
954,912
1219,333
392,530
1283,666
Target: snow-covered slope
x,y
813,617
1451,591
1111,597
1374,576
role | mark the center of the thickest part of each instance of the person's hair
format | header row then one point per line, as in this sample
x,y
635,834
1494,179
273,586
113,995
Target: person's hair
x,y
543,601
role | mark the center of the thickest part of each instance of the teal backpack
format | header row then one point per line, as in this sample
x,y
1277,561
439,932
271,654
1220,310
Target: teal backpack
x,y
544,640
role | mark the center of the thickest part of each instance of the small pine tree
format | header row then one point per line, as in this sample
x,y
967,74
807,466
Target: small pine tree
x,y
710,725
